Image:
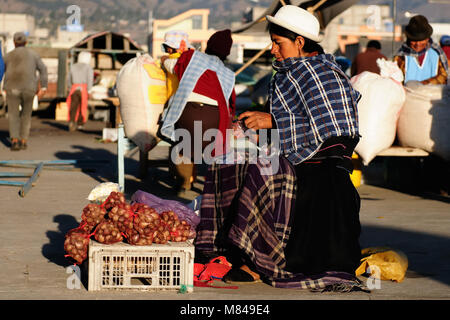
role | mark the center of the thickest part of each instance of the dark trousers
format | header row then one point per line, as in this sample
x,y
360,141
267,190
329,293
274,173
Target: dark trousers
x,y
207,114
209,117
75,106
19,121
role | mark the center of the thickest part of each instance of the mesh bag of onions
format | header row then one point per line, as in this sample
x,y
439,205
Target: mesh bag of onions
x,y
122,216
113,199
92,215
76,244
107,233
146,222
137,239
178,230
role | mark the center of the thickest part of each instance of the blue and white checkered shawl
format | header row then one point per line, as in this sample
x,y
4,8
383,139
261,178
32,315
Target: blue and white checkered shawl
x,y
200,62
311,99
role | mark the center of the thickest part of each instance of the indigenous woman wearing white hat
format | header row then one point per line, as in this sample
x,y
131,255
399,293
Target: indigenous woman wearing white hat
x,y
298,228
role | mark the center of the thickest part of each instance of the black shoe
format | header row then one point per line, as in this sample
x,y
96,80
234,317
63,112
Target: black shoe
x,y
15,146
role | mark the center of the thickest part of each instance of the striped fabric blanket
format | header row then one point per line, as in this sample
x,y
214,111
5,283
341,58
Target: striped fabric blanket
x,y
253,212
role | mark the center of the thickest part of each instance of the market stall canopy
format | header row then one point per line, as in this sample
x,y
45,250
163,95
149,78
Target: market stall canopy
x,y
324,10
122,47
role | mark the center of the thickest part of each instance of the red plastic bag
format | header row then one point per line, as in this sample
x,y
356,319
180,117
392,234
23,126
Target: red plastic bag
x,y
215,269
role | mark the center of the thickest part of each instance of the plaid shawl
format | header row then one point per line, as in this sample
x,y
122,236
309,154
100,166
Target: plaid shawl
x,y
311,99
405,50
253,211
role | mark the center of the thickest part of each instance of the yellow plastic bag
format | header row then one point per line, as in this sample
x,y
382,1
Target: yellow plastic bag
x,y
384,263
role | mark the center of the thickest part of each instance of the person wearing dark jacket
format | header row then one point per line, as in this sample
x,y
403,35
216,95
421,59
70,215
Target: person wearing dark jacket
x,y
21,85
367,60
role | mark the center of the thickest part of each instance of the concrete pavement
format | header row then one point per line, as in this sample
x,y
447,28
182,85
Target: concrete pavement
x,y
33,228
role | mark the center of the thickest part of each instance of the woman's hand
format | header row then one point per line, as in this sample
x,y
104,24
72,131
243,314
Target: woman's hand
x,y
256,120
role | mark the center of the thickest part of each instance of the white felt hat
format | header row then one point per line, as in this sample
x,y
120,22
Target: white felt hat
x,y
297,20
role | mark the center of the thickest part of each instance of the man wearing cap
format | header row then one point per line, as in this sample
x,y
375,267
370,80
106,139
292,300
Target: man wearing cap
x,y
419,58
21,85
205,94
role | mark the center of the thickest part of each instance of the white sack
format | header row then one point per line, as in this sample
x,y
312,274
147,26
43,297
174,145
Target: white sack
x,y
378,111
141,87
424,122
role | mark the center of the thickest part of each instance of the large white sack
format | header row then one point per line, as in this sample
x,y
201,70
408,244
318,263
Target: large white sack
x,y
141,87
378,111
424,122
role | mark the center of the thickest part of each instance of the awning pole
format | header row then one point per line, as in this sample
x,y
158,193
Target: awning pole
x,y
259,54
249,62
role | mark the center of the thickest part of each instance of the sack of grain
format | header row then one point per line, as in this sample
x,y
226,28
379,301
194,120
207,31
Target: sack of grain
x,y
378,111
424,119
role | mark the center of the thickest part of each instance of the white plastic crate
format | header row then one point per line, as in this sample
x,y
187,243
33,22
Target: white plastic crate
x,y
156,267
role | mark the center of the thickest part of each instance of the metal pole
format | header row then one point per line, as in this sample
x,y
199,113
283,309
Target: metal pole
x,y
394,21
120,157
27,186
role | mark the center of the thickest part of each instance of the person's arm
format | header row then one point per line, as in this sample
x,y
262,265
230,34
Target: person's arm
x,y
233,104
400,60
256,120
43,76
440,78
90,79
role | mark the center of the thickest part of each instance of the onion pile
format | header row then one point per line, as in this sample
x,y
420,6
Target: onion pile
x,y
115,219
93,214
107,233
76,244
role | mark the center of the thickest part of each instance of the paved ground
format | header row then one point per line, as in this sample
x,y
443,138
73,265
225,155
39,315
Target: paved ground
x,y
33,227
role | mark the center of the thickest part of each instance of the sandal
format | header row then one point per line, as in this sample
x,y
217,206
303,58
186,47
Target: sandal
x,y
242,275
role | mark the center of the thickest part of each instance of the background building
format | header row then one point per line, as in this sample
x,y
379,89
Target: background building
x,y
194,22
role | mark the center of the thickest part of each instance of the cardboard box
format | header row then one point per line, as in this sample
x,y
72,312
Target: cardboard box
x,y
61,112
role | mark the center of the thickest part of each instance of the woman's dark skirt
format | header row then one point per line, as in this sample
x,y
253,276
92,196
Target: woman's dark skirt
x,y
325,225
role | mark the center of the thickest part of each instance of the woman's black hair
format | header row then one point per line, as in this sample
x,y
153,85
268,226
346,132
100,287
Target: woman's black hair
x,y
310,45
